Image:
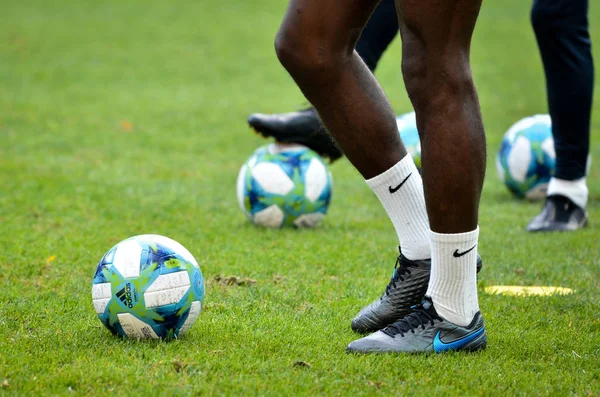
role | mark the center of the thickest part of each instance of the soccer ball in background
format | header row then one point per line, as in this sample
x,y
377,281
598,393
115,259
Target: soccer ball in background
x,y
284,185
407,127
526,159
148,287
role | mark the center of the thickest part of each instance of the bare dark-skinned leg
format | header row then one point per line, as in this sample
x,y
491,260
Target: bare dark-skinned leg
x,y
436,38
316,45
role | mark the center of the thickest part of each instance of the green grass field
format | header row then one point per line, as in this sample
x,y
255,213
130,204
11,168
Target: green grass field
x,y
120,118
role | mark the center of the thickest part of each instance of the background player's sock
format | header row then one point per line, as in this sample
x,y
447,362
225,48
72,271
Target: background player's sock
x,y
400,190
576,191
453,282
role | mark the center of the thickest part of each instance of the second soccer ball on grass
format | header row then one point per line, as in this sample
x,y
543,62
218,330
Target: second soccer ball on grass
x,y
284,185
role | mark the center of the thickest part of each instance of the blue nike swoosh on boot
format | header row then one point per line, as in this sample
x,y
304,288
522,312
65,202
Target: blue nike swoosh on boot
x,y
439,346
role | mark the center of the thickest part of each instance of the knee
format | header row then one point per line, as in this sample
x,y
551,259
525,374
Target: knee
x,y
289,48
414,73
433,81
308,55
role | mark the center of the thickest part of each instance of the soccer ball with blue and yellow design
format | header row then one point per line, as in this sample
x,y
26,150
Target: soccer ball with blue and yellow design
x,y
526,159
284,185
407,128
148,287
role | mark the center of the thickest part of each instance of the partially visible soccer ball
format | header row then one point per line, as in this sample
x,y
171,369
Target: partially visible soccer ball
x,y
526,159
148,287
407,127
284,185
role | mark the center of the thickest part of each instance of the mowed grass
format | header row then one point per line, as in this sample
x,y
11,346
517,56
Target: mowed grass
x,y
122,118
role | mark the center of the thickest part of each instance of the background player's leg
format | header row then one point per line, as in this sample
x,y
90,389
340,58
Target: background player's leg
x,y
562,32
378,34
436,38
561,28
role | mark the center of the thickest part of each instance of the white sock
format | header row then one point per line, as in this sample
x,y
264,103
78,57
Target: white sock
x,y
400,190
453,282
575,190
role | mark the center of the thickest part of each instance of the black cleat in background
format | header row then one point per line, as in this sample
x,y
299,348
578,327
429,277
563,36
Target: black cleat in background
x,y
303,127
559,214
